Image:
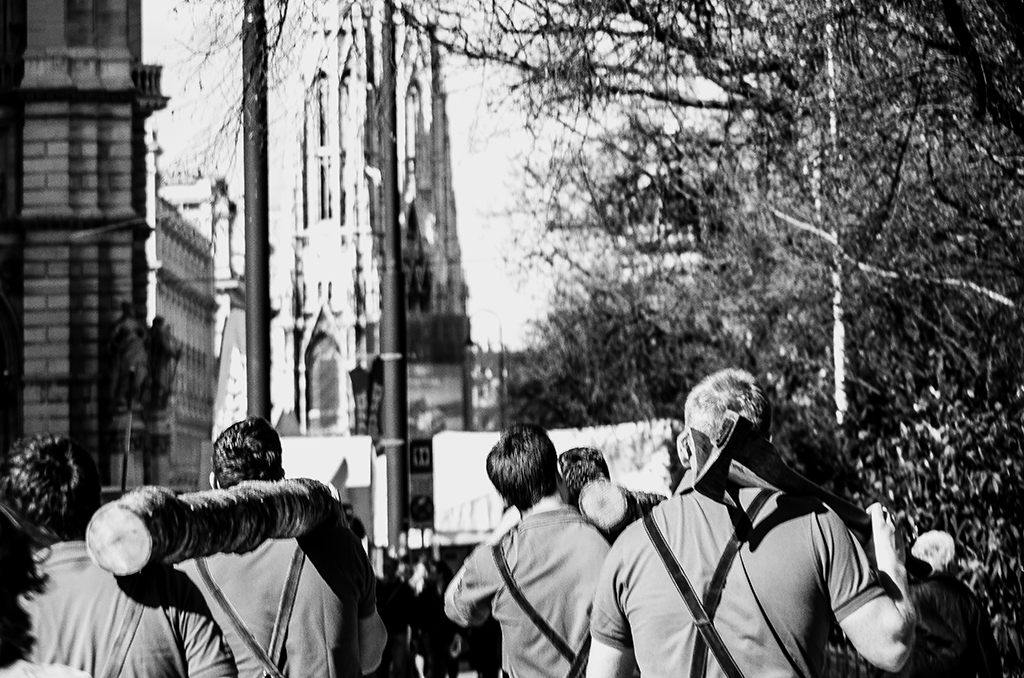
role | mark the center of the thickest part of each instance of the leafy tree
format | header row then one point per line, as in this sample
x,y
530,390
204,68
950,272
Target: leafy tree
x,y
773,185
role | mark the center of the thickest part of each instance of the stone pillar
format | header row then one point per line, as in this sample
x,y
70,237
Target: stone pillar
x,y
115,144
83,160
46,159
47,332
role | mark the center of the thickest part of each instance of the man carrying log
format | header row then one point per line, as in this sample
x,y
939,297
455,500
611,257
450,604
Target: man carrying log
x,y
728,579
153,624
298,607
538,579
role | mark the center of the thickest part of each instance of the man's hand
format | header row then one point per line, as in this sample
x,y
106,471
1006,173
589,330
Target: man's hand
x,y
890,552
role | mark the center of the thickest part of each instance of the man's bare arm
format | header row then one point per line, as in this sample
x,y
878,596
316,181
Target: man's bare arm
x,y
610,662
882,629
372,637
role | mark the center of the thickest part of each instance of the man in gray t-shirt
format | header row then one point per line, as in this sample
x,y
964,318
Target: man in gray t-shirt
x,y
553,557
771,592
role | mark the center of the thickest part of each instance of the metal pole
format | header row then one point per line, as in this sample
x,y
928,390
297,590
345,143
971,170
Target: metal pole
x,y
257,222
392,330
501,375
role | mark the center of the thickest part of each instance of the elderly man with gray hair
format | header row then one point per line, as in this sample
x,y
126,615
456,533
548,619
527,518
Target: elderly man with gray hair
x,y
745,583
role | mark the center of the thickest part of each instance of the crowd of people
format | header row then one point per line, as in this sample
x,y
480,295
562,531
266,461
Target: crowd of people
x,y
744,580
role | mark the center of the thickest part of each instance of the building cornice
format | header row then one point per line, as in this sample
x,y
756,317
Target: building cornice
x,y
143,90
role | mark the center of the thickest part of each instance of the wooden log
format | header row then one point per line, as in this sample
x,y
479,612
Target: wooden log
x,y
610,507
152,524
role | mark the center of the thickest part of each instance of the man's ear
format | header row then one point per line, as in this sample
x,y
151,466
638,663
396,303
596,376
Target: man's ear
x,y
213,481
684,448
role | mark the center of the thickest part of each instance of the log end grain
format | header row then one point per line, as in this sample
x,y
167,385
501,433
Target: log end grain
x,y
118,540
606,505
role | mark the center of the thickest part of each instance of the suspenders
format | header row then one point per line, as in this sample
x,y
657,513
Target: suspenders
x,y
703,613
134,586
578,659
271,658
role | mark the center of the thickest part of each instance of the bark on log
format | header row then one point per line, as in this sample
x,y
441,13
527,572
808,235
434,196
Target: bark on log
x,y
152,524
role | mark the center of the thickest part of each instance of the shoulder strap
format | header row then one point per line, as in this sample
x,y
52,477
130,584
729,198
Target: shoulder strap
x,y
742,523
700,616
577,660
236,621
127,628
284,609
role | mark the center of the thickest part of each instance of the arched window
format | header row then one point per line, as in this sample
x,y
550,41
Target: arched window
x,y
324,386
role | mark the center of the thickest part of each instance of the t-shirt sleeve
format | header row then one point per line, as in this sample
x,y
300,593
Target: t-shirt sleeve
x,y
206,652
467,602
848,575
608,623
367,593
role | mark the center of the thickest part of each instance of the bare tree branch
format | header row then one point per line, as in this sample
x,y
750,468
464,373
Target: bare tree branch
x,y
830,238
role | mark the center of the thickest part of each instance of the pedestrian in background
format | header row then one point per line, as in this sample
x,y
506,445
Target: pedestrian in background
x,y
954,636
395,602
580,466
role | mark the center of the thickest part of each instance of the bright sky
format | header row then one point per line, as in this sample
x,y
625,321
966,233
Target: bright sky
x,y
485,141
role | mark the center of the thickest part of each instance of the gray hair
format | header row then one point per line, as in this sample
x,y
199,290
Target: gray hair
x,y
729,389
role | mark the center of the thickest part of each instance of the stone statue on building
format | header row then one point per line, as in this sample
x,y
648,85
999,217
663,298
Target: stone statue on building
x,y
129,375
164,354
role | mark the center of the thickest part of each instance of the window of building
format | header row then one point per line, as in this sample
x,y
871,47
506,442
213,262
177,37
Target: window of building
x,y
323,98
324,386
325,188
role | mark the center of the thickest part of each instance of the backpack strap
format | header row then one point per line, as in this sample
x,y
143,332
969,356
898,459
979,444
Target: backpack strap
x,y
701,619
241,629
133,587
284,609
577,660
742,523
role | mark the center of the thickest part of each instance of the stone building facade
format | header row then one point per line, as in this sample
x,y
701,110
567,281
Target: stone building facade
x,y
79,283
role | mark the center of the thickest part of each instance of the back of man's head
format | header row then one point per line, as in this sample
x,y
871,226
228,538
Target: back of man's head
x,y
53,483
247,450
523,466
579,466
936,548
729,389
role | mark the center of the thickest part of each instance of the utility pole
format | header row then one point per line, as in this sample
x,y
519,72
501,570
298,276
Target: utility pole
x,y
392,327
257,221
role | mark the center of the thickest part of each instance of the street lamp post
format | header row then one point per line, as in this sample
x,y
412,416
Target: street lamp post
x,y
502,390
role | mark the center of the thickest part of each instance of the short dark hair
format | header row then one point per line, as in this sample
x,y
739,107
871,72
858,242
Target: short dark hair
x,y
53,482
523,466
20,576
728,389
247,450
579,466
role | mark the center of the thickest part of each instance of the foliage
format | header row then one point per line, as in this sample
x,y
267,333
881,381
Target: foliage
x,y
949,464
728,169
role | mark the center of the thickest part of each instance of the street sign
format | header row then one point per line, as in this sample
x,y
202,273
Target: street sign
x,y
421,483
